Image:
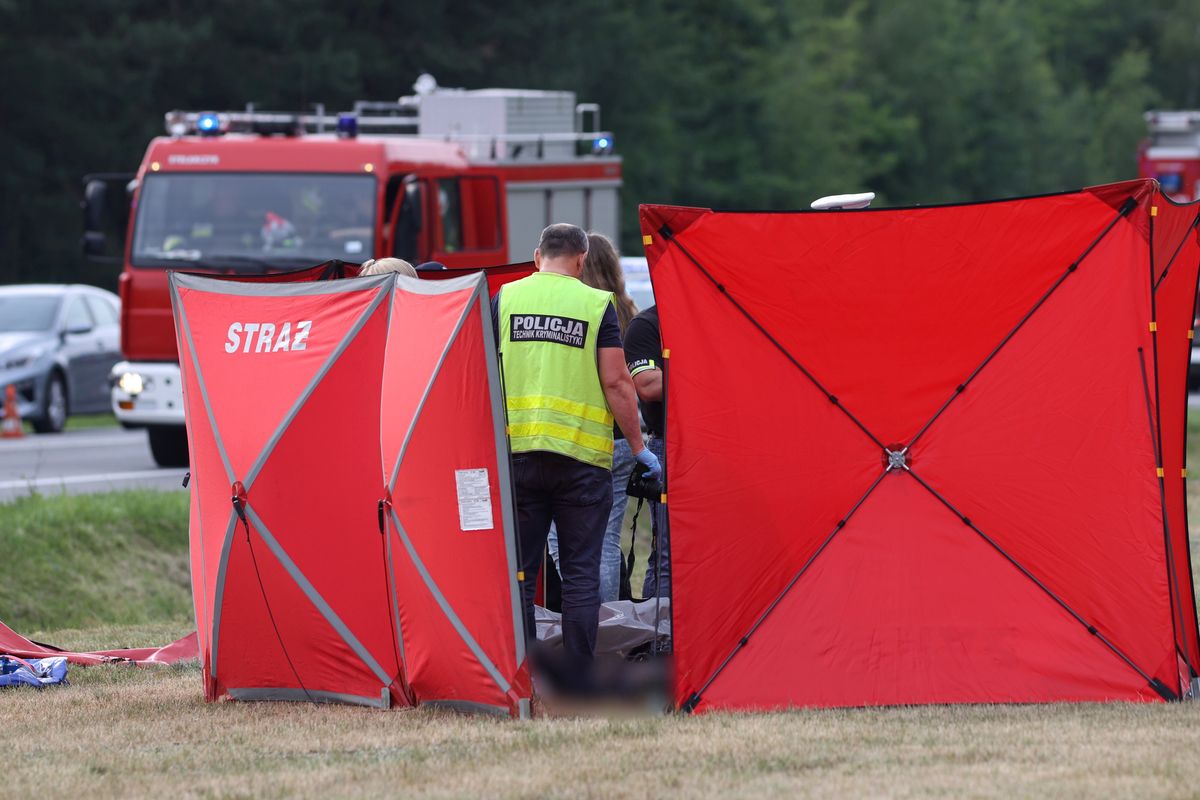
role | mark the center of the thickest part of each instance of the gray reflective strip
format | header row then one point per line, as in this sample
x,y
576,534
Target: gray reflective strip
x,y
315,598
474,647
310,696
219,596
387,541
467,707
523,708
504,477
207,609
444,286
283,288
212,420
412,426
312,385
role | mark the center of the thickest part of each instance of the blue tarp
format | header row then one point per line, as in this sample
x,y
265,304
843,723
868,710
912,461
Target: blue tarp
x,y
33,672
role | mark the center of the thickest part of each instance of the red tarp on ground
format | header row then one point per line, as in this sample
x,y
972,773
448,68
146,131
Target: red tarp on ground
x,y
298,594
14,644
1016,549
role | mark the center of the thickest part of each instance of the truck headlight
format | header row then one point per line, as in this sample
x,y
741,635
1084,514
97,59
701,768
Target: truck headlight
x,y
131,383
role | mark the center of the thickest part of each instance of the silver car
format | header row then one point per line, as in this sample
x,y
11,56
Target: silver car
x,y
57,345
637,281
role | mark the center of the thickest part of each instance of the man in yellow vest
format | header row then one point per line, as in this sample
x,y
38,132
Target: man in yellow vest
x,y
565,381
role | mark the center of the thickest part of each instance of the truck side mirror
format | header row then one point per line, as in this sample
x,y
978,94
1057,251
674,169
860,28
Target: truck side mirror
x,y
100,218
92,243
95,195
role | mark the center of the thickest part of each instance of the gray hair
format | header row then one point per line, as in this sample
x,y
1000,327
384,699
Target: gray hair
x,y
563,239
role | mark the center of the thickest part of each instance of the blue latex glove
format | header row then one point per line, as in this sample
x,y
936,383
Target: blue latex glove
x,y
650,461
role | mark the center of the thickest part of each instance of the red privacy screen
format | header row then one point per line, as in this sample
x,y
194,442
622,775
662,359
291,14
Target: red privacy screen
x,y
929,455
352,534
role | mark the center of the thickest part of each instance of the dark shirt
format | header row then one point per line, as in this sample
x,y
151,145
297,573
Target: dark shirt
x,y
643,351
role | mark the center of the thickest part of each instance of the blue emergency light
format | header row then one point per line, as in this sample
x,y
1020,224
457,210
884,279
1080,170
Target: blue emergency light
x,y
347,126
208,124
601,145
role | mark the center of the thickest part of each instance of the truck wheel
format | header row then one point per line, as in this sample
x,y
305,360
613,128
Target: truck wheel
x,y
54,407
168,445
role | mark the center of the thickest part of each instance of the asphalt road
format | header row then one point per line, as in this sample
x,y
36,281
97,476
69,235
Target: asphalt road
x,y
79,462
99,460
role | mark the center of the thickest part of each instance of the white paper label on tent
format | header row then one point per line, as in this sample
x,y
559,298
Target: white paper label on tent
x,y
474,499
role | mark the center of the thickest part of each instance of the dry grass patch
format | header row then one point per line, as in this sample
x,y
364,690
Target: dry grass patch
x,y
138,732
121,731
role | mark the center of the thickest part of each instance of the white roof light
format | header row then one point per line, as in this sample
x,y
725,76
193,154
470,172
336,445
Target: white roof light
x,y
837,201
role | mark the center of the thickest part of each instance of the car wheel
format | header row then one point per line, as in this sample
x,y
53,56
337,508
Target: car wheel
x,y
168,445
54,406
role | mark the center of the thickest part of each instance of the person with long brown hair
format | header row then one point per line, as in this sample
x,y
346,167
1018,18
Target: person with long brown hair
x,y
602,270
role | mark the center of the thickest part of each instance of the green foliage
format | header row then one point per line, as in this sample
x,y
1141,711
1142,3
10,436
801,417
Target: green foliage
x,y
750,103
85,560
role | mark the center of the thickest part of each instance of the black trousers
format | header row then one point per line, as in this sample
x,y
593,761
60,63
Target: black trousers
x,y
577,498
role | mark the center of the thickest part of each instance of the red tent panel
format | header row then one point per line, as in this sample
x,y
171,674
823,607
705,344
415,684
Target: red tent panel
x,y
1176,262
997,350
297,593
935,633
324,591
455,577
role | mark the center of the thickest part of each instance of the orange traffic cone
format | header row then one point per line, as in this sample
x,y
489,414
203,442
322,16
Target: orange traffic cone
x,y
10,425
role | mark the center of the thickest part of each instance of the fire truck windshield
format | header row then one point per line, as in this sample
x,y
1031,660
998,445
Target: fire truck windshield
x,y
253,221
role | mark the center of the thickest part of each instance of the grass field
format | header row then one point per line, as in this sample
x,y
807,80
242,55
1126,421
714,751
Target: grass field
x,y
118,563
78,422
69,561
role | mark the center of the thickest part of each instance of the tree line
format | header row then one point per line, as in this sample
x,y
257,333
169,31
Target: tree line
x,y
761,104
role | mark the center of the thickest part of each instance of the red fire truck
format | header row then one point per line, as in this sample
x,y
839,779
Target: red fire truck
x,y
464,178
1171,153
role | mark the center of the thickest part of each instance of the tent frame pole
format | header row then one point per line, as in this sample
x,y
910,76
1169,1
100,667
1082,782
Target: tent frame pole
x,y
1155,416
1195,294
666,232
1178,247
1124,211
694,699
1172,583
1163,691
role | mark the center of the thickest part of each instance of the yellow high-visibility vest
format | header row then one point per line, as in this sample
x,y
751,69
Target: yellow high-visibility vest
x,y
549,324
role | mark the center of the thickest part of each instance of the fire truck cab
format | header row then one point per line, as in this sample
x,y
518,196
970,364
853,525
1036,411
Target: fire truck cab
x,y
1171,153
464,178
